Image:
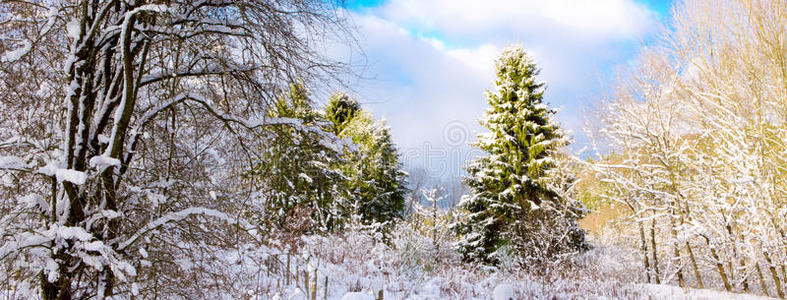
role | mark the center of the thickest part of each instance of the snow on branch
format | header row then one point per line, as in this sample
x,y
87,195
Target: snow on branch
x,y
16,54
57,236
176,217
156,77
12,163
227,118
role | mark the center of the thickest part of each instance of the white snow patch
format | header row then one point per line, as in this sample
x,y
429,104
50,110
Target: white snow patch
x,y
503,292
16,54
185,264
34,200
102,162
73,233
72,29
12,162
357,296
103,139
73,176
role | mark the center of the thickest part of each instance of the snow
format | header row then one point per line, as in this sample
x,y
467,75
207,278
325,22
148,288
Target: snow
x,y
103,139
504,292
72,29
34,200
73,176
16,54
102,162
349,265
177,216
73,233
357,296
12,163
305,177
358,268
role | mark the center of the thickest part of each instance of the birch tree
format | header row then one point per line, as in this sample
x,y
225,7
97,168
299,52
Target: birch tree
x,y
699,142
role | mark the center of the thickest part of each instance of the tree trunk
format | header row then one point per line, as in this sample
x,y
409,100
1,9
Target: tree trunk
x,y
742,260
784,274
694,264
676,251
762,279
774,274
644,247
60,290
745,275
719,265
654,249
48,289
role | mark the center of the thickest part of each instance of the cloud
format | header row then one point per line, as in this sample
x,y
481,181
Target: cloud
x,y
590,19
430,62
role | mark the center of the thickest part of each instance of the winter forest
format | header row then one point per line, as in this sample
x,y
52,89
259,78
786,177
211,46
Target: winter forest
x,y
216,149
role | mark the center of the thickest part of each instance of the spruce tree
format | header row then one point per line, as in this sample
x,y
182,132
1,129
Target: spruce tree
x,y
507,186
376,179
296,173
341,109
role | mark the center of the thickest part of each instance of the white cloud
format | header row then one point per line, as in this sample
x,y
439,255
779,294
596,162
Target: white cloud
x,y
474,19
423,81
480,59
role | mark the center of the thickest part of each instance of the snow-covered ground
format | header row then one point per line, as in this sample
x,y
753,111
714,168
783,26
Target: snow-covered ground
x,y
521,290
359,267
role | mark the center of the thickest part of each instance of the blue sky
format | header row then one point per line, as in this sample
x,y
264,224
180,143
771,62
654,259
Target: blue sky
x,y
426,64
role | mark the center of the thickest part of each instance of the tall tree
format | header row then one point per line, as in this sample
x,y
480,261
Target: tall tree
x,y
508,187
698,130
132,107
297,173
376,177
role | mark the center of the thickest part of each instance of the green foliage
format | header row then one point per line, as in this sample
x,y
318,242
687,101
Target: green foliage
x,y
340,111
375,174
509,184
311,185
303,188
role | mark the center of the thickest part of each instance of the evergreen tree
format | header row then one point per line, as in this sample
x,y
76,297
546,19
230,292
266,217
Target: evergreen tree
x,y
376,178
297,173
508,188
340,110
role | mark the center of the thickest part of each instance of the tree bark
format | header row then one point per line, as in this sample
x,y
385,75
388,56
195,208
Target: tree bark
x,y
742,261
694,264
644,248
762,279
654,250
719,265
774,274
745,275
676,250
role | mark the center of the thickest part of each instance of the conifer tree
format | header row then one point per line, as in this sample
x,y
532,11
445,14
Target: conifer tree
x,y
340,110
508,186
374,171
297,173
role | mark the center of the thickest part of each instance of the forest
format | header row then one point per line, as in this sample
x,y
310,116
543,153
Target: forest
x,y
214,149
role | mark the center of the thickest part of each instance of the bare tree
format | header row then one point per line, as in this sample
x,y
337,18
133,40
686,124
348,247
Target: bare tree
x,y
116,121
699,137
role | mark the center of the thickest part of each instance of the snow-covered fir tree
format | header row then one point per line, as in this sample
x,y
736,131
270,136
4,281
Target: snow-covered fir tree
x,y
508,186
375,173
297,172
